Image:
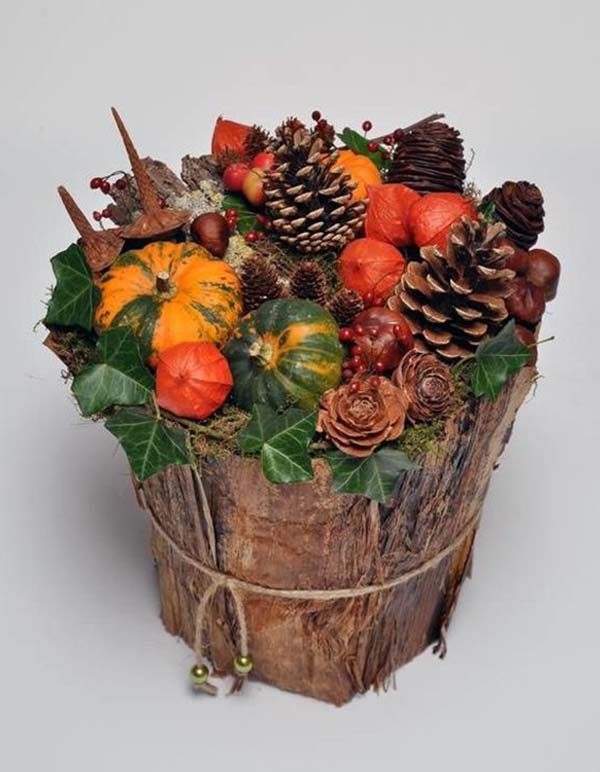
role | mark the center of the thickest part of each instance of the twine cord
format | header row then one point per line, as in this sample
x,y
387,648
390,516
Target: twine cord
x,y
238,587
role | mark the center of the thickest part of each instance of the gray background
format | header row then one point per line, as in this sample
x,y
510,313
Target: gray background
x,y
90,681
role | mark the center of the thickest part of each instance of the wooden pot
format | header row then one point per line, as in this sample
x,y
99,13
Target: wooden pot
x,y
303,536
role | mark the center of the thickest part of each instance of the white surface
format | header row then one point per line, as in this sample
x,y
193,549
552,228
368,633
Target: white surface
x,y
89,679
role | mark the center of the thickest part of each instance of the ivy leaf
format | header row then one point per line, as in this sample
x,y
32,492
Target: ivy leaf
x,y
374,476
246,217
282,440
75,295
496,360
148,443
360,145
119,378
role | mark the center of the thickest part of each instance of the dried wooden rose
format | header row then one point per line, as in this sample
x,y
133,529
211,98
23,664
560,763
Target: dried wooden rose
x,y
358,416
427,385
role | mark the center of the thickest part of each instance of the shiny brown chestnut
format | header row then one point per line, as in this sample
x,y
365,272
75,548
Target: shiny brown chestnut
x,y
544,271
526,302
211,231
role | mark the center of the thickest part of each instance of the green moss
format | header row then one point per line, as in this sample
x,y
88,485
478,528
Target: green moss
x,y
217,437
75,348
421,438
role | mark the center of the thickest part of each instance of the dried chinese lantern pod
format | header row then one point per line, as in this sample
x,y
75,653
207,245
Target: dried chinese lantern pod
x,y
358,416
427,385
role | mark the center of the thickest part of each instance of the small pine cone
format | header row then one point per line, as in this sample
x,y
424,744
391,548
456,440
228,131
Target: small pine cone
x,y
427,385
357,419
520,206
260,282
430,158
257,140
344,306
309,282
228,157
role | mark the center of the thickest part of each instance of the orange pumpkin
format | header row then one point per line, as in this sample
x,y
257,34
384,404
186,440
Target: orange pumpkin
x,y
192,380
388,212
362,171
368,266
228,135
432,217
169,293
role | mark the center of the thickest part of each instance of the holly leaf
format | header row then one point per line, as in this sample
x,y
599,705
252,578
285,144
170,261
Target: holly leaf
x,y
119,378
247,219
360,145
75,296
282,440
496,359
375,476
149,444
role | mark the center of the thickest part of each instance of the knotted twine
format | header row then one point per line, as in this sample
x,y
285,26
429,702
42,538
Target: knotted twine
x,y
238,587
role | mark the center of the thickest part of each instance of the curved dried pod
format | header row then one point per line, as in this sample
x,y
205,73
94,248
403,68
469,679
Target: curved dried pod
x,y
155,221
101,248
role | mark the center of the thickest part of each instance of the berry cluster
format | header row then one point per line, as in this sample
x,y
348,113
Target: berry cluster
x,y
105,186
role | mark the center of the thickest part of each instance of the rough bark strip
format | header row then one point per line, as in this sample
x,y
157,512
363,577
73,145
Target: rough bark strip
x,y
304,536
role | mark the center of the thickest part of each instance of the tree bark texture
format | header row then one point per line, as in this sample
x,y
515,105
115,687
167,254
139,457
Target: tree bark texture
x,y
303,536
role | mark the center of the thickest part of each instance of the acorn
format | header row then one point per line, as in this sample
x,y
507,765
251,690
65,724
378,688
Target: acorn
x,y
526,302
544,271
211,231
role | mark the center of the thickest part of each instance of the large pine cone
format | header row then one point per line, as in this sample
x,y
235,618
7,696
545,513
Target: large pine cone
x,y
427,384
520,206
429,158
453,300
309,201
360,415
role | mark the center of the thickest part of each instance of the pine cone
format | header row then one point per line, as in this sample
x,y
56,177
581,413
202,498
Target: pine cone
x,y
427,385
310,282
260,282
228,157
452,301
520,206
357,419
257,140
344,306
309,201
429,158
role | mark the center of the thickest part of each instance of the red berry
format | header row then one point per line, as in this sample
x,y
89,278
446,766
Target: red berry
x,y
95,182
262,219
359,329
121,183
346,334
347,374
355,362
368,298
398,134
367,126
361,368
97,216
316,115
231,214
356,350
259,235
372,147
346,364
250,237
375,380
354,387
388,140
373,331
105,213
105,186
379,367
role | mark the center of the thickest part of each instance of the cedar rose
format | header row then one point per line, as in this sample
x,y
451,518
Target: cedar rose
x,y
358,416
427,385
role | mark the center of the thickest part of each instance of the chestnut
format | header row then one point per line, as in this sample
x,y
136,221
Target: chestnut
x,y
525,302
525,336
211,231
544,271
519,260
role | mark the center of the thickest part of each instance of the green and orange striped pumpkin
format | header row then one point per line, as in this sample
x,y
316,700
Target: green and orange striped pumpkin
x,y
170,293
287,352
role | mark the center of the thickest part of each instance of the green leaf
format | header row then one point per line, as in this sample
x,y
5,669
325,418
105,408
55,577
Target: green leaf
x,y
75,295
282,440
246,217
496,360
374,476
359,144
148,443
119,378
